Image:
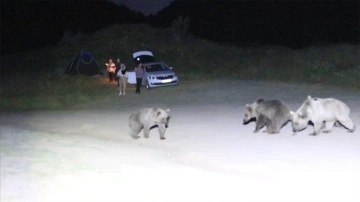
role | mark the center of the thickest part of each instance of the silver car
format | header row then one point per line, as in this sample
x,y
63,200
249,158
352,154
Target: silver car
x,y
156,74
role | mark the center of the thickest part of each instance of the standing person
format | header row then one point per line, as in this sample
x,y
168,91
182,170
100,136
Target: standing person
x,y
123,75
139,72
110,68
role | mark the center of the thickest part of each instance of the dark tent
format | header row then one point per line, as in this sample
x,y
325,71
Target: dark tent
x,y
85,64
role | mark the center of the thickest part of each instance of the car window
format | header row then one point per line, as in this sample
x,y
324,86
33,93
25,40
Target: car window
x,y
155,67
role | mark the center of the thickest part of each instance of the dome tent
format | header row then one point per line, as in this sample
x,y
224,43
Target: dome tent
x,y
85,64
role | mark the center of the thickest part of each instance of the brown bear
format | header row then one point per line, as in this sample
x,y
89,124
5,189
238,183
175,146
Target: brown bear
x,y
322,113
147,119
273,114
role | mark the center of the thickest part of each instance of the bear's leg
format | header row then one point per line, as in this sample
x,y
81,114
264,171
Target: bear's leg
x,y
135,129
328,126
280,124
348,124
275,127
146,131
269,127
317,128
260,122
162,129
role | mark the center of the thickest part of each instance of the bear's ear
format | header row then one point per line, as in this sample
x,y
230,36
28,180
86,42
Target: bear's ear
x,y
167,110
292,113
248,107
309,97
260,100
158,114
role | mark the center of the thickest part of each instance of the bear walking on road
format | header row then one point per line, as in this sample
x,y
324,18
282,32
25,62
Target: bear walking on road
x,y
322,113
273,114
148,118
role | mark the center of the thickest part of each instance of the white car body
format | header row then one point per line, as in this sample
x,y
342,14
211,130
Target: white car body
x,y
156,74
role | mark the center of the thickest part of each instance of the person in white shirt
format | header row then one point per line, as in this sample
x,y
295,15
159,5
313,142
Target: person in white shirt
x,y
123,75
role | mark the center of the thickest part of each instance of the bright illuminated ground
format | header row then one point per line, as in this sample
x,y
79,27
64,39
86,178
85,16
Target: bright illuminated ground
x,y
86,155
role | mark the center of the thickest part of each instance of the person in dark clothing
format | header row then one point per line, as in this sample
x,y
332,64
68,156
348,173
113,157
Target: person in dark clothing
x,y
139,72
118,64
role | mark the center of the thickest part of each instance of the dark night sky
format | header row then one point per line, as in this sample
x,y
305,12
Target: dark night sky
x,y
33,24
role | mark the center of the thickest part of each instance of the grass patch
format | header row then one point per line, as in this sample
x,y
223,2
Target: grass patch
x,y
34,80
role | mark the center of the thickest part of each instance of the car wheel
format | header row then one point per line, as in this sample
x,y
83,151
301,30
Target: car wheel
x,y
147,84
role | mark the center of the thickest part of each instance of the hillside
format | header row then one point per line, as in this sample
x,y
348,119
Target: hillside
x,y
38,75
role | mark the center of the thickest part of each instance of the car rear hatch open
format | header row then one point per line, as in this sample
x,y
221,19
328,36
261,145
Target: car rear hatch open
x,y
143,57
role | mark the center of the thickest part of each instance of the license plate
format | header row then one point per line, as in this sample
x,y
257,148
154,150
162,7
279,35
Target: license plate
x,y
166,81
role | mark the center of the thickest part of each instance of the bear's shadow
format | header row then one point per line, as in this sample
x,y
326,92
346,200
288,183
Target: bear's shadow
x,y
249,121
156,126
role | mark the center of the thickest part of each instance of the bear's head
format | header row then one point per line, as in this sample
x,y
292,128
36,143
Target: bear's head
x,y
162,116
250,110
300,119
